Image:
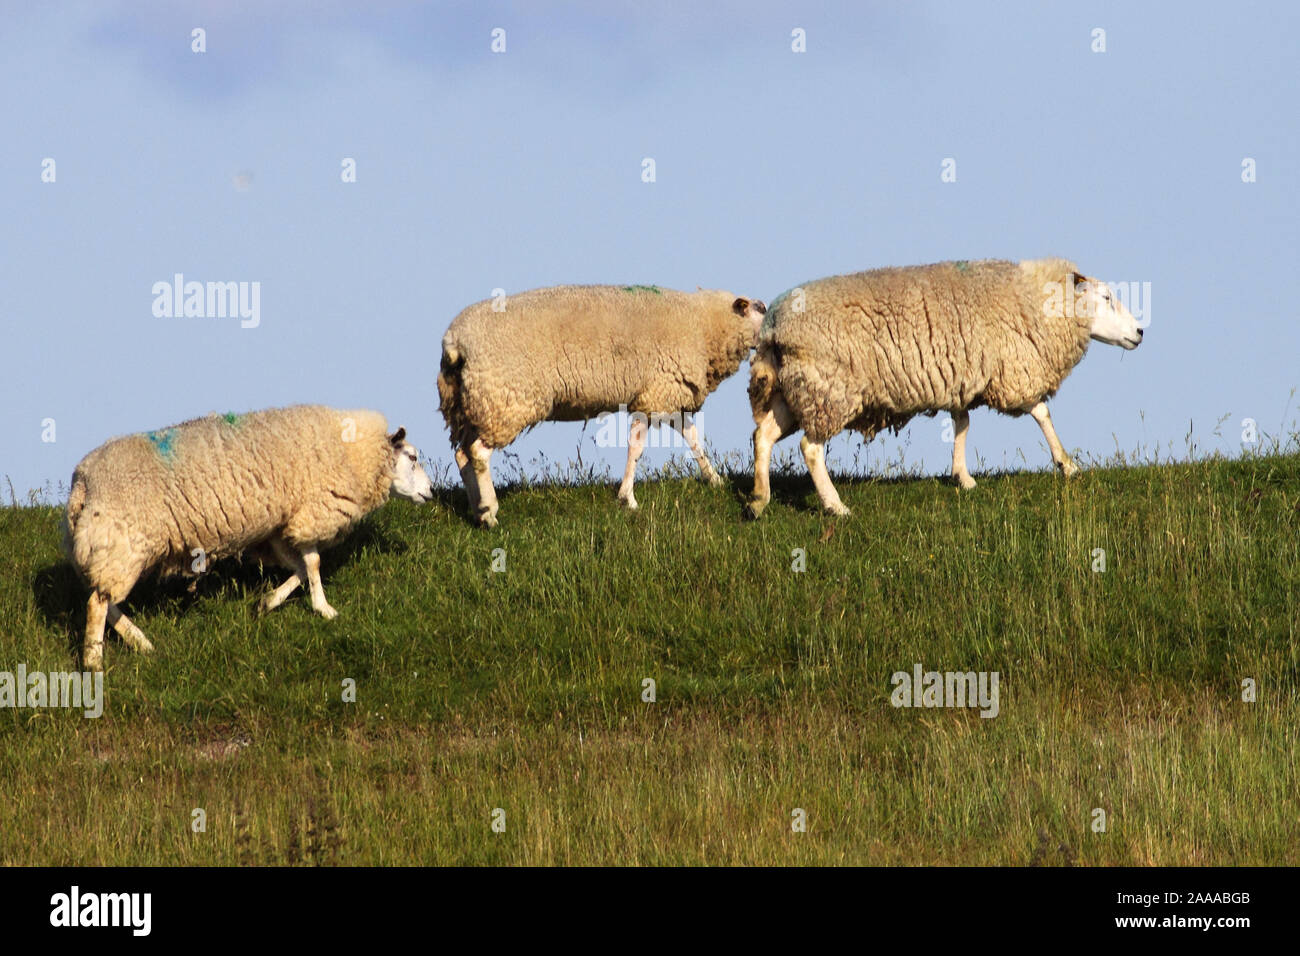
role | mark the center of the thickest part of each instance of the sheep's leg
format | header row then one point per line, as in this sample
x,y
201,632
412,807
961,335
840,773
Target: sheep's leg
x,y
814,454
486,507
131,635
278,596
311,558
1063,461
467,479
773,425
92,649
686,425
960,423
636,435
290,558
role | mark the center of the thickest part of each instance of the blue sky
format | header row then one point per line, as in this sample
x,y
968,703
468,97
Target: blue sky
x,y
478,170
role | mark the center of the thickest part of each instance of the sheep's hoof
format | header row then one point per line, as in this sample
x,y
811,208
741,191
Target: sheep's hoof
x,y
628,501
965,482
839,510
487,519
326,612
92,658
710,476
1068,468
754,509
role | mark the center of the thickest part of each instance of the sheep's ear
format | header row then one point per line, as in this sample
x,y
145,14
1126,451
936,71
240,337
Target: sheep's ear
x,y
740,306
759,307
1076,278
397,437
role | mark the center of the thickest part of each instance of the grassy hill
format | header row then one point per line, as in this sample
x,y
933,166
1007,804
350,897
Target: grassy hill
x,y
1121,689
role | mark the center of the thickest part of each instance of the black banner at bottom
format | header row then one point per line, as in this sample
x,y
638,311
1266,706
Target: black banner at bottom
x,y
333,906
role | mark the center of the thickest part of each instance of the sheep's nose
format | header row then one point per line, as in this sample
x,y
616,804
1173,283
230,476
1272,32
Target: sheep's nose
x,y
1139,335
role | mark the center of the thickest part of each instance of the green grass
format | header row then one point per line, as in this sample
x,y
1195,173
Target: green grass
x,y
522,690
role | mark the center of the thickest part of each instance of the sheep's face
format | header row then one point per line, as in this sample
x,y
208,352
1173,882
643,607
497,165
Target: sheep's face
x,y
1112,322
752,309
409,480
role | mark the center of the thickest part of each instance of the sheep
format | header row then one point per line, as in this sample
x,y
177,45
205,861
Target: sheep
x,y
870,350
282,482
570,353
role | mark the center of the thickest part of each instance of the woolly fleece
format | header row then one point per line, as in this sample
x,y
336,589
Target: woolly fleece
x,y
569,353
872,349
222,484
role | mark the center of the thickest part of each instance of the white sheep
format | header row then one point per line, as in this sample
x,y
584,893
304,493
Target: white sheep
x,y
570,353
870,350
285,481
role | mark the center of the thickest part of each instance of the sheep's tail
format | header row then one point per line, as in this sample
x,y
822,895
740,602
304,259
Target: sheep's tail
x,y
764,369
72,514
450,401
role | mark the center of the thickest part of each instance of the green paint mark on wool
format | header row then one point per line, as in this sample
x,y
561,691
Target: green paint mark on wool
x,y
962,265
230,418
643,288
162,442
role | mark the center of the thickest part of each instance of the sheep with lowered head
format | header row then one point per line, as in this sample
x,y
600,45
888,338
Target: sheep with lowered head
x,y
287,481
870,350
571,353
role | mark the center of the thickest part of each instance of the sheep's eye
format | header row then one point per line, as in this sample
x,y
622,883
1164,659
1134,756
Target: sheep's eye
x,y
412,457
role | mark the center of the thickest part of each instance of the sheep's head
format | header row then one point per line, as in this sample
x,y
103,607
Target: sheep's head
x,y
409,480
1112,322
752,309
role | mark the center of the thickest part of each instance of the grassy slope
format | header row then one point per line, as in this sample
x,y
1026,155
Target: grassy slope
x,y
522,690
